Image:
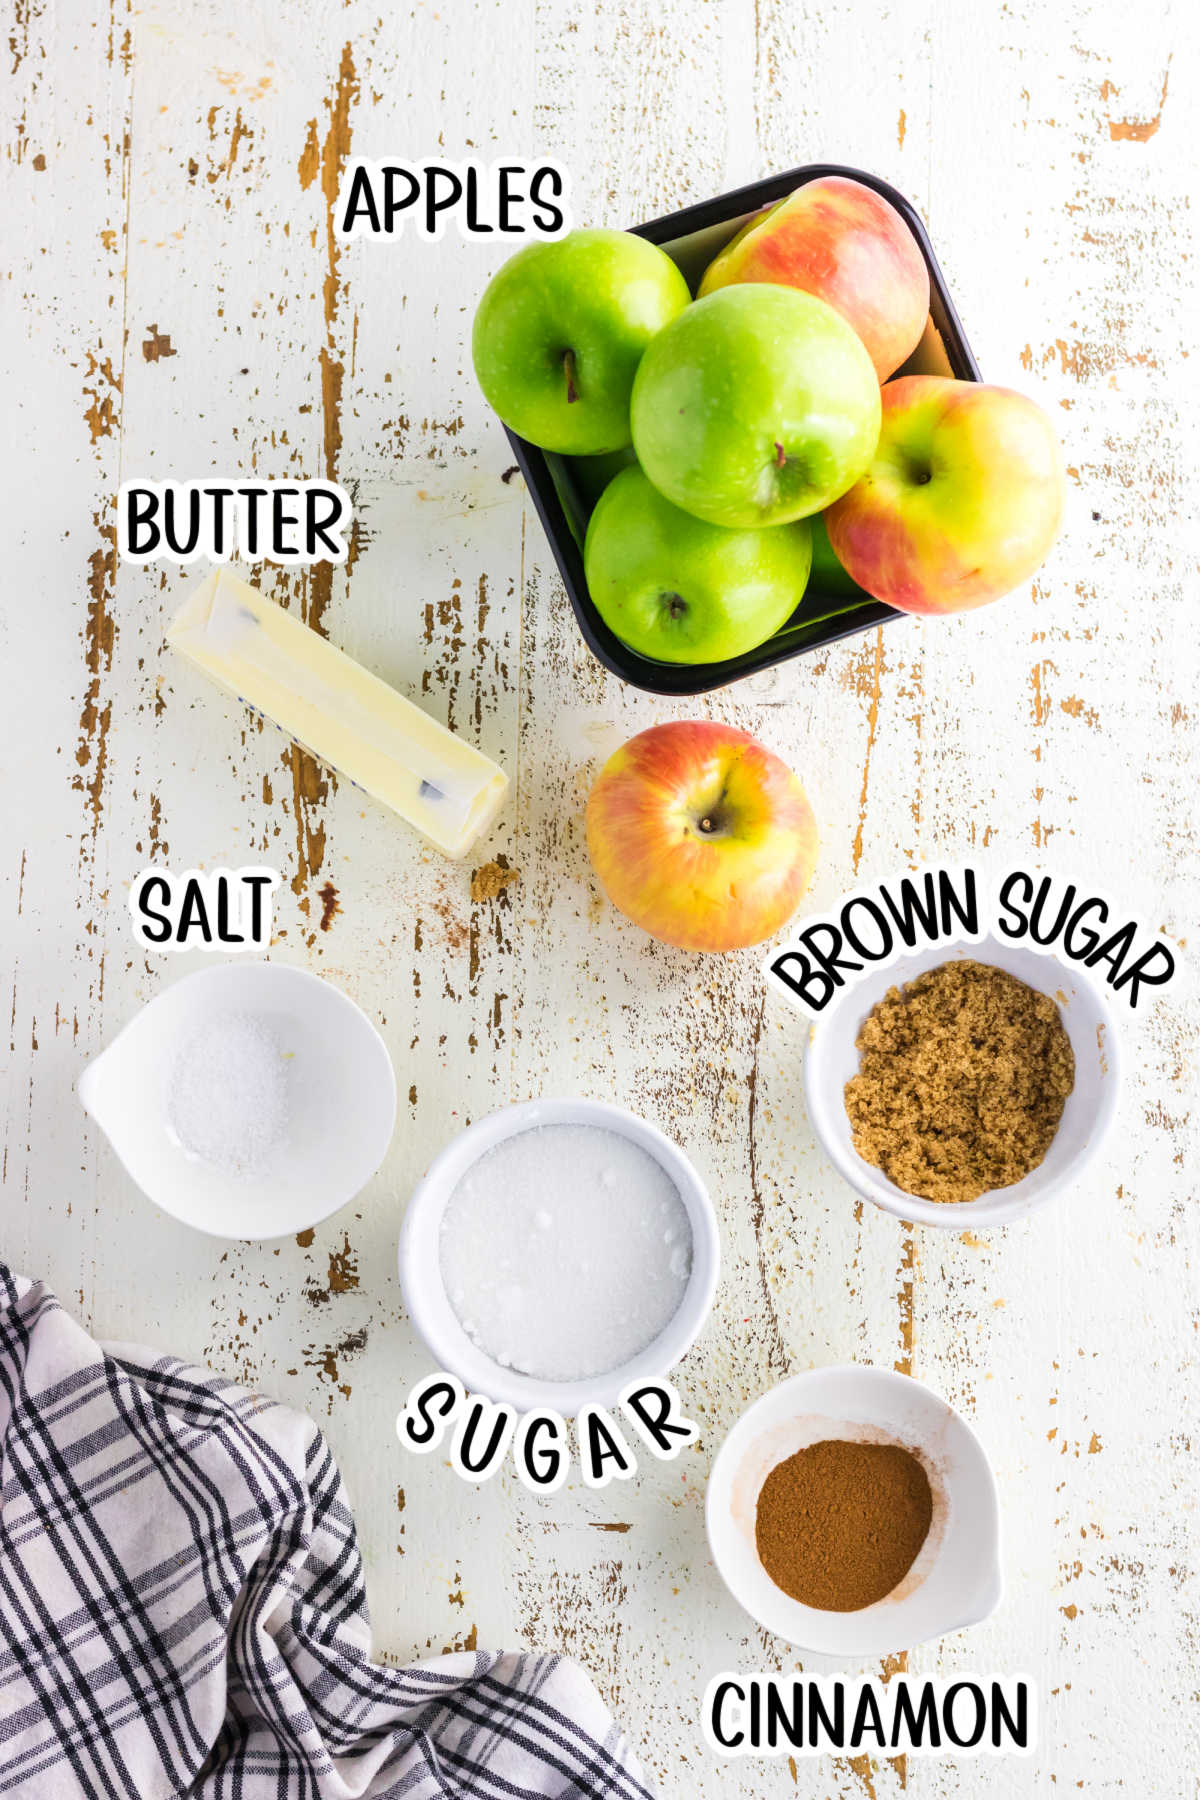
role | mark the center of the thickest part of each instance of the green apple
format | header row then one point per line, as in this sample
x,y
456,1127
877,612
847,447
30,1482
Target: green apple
x,y
680,590
593,473
828,575
561,329
755,406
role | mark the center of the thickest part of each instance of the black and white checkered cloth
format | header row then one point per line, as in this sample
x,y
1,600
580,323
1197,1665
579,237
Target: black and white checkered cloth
x,y
182,1608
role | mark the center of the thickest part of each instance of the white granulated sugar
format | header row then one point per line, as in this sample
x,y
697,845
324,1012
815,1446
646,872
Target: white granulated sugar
x,y
227,1095
565,1250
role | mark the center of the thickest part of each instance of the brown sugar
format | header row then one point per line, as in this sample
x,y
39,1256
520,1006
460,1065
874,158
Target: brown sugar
x,y
840,1524
492,879
962,1079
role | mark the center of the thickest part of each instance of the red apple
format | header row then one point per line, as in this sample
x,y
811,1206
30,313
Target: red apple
x,y
846,244
962,501
701,836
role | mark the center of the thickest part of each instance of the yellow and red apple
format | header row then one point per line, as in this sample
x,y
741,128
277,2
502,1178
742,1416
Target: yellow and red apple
x,y
841,241
962,500
701,836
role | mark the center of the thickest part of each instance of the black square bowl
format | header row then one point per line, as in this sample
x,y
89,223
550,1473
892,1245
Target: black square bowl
x,y
692,238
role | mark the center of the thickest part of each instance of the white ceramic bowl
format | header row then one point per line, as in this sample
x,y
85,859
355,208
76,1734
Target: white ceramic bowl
x,y
831,1060
341,1101
956,1579
435,1319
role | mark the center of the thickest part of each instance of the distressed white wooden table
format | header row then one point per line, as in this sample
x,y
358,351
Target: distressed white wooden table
x,y
175,305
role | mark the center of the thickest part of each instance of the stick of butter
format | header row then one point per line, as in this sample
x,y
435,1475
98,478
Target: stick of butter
x,y
345,716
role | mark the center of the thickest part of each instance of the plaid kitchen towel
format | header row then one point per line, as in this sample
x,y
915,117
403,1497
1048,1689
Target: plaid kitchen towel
x,y
182,1608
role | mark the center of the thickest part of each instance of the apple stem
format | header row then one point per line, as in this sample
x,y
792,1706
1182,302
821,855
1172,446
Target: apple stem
x,y
780,458
569,372
708,825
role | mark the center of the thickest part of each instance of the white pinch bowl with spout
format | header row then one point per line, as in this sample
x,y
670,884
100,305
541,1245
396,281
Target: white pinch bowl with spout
x,y
341,1101
435,1319
831,1060
956,1579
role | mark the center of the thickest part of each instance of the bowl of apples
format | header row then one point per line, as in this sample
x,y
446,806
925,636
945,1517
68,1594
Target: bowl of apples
x,y
755,426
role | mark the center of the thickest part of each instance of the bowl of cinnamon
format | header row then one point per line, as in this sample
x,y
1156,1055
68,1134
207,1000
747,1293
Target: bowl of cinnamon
x,y
853,1512
964,1085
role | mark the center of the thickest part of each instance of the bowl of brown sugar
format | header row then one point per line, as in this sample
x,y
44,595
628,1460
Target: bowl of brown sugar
x,y
853,1512
964,1085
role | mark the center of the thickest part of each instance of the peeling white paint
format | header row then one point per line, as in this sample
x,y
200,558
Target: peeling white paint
x,y
165,180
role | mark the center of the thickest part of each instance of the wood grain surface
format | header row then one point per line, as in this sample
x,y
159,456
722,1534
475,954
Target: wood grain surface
x,y
176,305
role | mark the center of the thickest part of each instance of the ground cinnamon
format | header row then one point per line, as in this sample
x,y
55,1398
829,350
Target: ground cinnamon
x,y
840,1524
962,1079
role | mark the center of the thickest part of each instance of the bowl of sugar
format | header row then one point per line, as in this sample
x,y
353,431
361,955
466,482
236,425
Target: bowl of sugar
x,y
249,1100
557,1252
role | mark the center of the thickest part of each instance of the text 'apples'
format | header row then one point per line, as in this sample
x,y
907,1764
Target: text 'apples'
x,y
962,500
701,836
675,588
560,331
755,406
